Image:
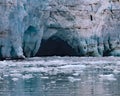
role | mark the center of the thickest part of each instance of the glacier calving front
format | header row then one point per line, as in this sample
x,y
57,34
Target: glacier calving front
x,y
90,27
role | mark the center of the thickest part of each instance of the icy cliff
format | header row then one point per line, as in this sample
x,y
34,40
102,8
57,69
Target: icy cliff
x,y
85,28
21,27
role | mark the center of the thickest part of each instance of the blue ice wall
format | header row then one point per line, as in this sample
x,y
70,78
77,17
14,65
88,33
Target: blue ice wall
x,y
90,27
20,22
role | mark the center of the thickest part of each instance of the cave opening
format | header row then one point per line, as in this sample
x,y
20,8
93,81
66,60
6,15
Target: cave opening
x,y
55,46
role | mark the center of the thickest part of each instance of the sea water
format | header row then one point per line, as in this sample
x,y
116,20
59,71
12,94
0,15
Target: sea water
x,y
60,76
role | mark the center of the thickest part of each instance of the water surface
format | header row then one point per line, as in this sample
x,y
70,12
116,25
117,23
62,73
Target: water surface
x,y
60,76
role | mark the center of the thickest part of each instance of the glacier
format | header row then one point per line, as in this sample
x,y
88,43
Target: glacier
x,y
20,27
76,27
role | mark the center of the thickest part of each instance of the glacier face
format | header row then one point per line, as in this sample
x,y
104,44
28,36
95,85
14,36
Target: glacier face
x,y
16,19
88,27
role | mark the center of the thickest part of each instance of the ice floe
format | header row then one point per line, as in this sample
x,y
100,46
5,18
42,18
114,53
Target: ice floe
x,y
74,66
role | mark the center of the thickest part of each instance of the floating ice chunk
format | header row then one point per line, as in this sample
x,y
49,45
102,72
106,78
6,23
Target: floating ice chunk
x,y
56,62
53,82
34,69
90,1
116,71
52,71
45,77
16,75
1,78
72,79
109,77
73,67
15,79
27,76
76,74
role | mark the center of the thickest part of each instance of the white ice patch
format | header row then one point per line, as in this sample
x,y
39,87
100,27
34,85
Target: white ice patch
x,y
56,62
27,76
16,75
72,68
34,69
116,71
45,77
15,79
109,77
72,79
55,65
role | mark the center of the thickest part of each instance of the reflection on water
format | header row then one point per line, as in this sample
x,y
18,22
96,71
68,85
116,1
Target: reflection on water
x,y
60,76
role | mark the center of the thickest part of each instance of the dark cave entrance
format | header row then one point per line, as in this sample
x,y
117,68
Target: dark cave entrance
x,y
55,46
